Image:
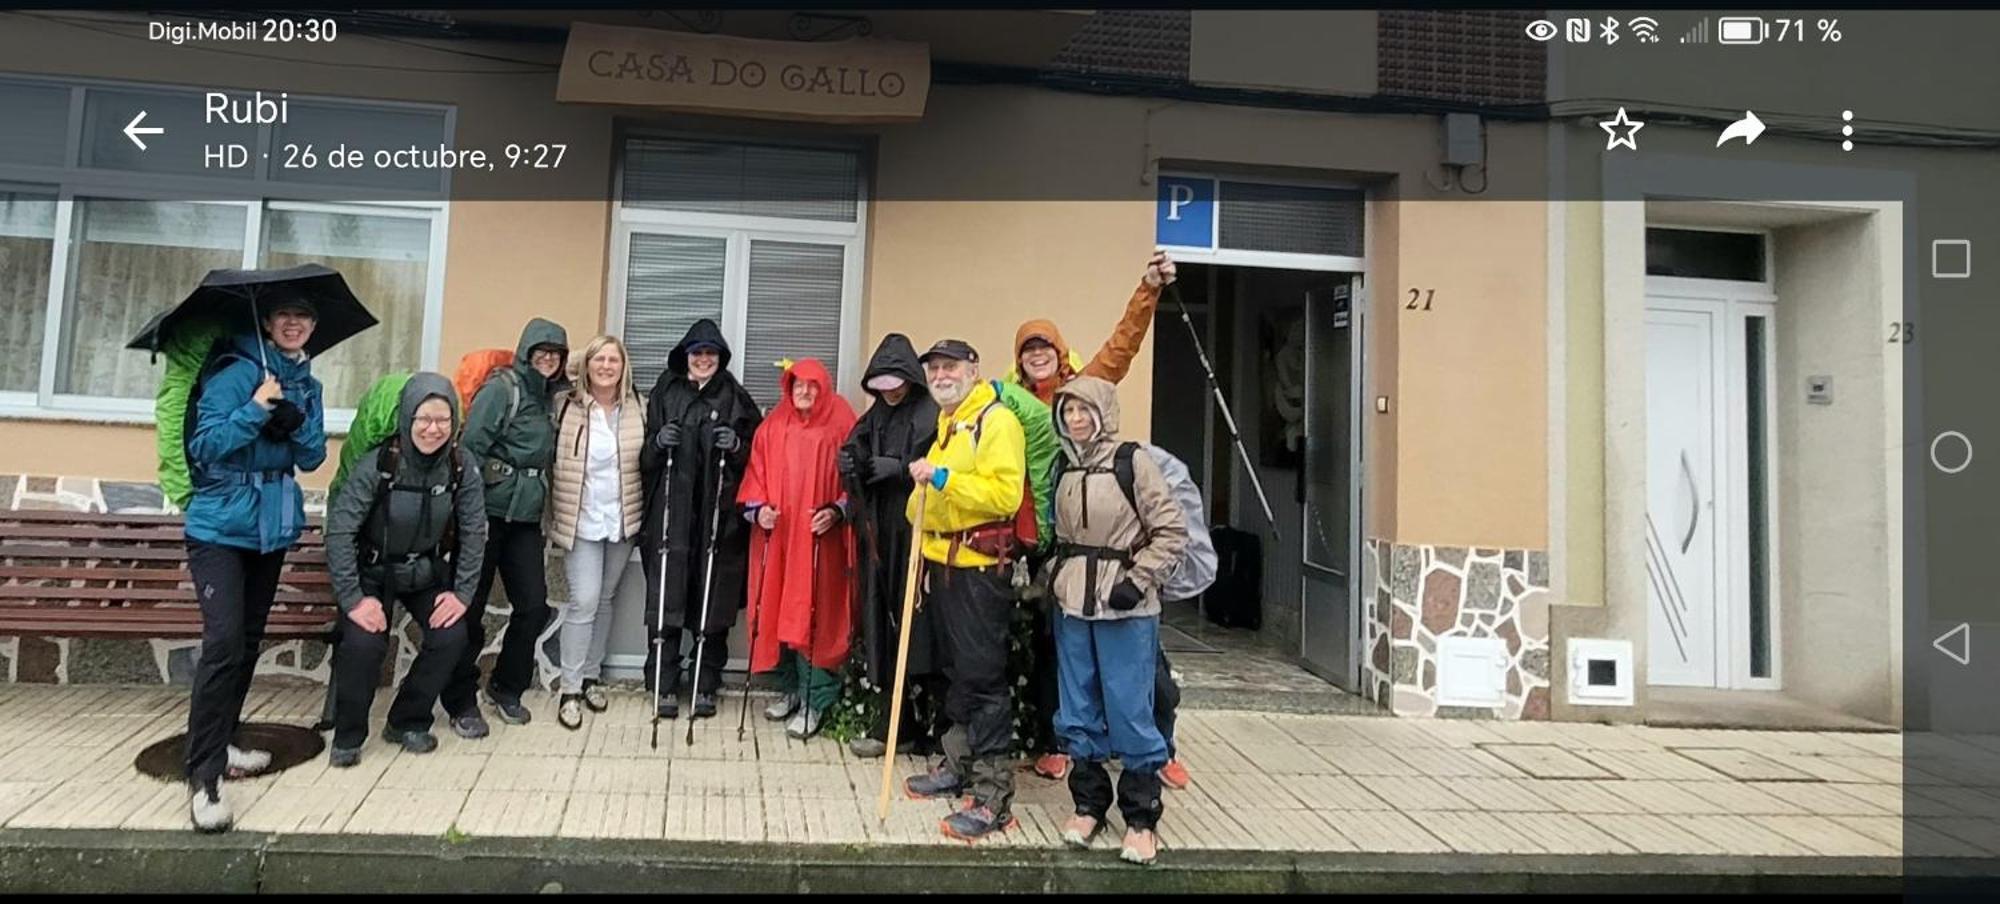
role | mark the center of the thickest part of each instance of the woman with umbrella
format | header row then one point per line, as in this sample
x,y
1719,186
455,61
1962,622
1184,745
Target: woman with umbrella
x,y
258,421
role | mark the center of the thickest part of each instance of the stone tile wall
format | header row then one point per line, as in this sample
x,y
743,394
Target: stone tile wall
x,y
1422,593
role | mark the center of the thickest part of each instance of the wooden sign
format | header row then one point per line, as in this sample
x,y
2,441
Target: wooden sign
x,y
861,80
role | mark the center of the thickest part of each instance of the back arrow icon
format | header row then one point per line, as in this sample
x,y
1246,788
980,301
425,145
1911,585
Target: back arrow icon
x,y
1747,128
133,130
1962,636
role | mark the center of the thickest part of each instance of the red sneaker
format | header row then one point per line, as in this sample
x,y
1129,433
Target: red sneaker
x,y
1053,766
1175,775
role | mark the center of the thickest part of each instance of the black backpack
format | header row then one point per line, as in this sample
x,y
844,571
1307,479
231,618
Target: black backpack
x,y
386,465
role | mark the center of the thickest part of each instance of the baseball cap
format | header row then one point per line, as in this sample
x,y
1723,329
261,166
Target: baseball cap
x,y
951,348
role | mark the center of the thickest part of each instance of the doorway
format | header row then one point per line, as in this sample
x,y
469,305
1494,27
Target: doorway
x,y
1709,545
1285,347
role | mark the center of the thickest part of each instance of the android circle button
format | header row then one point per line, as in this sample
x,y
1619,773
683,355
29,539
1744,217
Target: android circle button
x,y
1951,452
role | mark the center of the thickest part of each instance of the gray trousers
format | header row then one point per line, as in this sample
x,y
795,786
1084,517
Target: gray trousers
x,y
594,568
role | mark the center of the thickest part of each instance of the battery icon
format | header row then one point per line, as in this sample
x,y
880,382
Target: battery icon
x,y
1740,30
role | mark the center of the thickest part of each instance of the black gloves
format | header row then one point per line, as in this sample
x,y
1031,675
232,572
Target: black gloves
x,y
668,437
882,467
849,467
1125,597
725,439
286,416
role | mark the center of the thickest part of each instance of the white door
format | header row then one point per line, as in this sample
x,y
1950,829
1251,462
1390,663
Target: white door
x,y
1683,462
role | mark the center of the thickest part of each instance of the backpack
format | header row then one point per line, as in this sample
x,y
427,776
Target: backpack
x,y
385,468
1196,569
1033,526
376,419
478,366
195,353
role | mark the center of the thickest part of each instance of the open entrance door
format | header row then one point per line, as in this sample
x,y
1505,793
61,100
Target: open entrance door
x,y
1328,612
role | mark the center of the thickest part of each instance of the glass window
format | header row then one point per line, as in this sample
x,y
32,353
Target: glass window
x,y
386,261
131,260
37,118
1701,254
794,312
106,113
27,245
327,126
671,281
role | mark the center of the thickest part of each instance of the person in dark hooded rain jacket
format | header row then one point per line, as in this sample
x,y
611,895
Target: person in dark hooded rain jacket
x,y
875,463
511,431
704,418
260,417
408,528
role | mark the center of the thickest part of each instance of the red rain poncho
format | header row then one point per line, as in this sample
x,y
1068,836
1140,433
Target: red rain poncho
x,y
794,466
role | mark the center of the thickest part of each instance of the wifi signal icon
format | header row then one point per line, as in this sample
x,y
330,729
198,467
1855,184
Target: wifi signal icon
x,y
1645,29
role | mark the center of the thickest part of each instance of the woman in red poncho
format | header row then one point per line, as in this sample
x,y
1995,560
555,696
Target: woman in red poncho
x,y
799,584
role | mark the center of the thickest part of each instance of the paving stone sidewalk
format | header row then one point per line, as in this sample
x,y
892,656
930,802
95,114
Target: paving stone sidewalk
x,y
1262,781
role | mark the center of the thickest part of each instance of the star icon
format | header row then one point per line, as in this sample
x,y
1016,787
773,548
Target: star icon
x,y
1621,123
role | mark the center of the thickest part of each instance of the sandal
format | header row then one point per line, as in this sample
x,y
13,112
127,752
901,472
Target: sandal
x,y
570,711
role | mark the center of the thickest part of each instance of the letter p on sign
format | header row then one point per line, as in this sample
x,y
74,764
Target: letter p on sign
x,y
1185,212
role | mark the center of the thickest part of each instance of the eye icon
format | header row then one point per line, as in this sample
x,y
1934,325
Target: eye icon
x,y
1542,29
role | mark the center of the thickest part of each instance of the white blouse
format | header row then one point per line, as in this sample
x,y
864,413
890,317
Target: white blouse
x,y
602,516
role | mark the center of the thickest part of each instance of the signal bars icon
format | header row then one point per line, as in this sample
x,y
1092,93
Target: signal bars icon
x,y
1699,34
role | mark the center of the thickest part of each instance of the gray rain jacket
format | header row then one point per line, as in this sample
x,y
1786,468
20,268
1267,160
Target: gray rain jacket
x,y
371,547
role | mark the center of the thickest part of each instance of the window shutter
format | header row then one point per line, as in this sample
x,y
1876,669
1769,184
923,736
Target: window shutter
x,y
671,281
794,312
1291,218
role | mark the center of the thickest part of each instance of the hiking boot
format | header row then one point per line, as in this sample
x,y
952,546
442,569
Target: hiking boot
x,y
246,763
1052,766
804,725
1080,830
1141,846
511,711
344,757
471,727
570,711
594,698
208,810
871,748
704,706
412,741
936,783
783,709
670,707
1175,775
974,823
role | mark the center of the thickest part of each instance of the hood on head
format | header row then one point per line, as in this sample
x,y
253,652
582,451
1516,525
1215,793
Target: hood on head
x,y
541,332
1044,330
810,371
1102,397
422,386
897,357
703,331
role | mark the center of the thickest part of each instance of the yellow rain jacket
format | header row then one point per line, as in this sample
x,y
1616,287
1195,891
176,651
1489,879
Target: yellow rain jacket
x,y
984,479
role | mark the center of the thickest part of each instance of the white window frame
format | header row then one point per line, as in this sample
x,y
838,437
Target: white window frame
x,y
738,231
1280,260
71,181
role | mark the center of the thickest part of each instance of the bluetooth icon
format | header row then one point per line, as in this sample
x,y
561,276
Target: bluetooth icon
x,y
1608,30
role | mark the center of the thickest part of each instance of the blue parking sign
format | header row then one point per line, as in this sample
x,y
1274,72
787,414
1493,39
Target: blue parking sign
x,y
1185,215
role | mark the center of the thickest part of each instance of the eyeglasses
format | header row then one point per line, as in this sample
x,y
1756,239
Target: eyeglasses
x,y
434,423
546,353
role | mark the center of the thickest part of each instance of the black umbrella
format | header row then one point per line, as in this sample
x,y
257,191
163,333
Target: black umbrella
x,y
244,296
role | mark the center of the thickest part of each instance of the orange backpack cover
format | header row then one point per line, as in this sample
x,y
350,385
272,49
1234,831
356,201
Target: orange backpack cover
x,y
473,369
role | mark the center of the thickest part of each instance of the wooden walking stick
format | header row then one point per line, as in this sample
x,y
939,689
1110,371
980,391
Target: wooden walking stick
x,y
911,574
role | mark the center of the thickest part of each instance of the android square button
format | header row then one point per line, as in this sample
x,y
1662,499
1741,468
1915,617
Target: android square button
x,y
1951,258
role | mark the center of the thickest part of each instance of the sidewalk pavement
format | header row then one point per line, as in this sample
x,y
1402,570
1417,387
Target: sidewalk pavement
x,y
1262,782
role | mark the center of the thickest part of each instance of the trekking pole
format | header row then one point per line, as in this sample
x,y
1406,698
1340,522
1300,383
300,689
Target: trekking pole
x,y
1235,436
707,586
807,678
910,574
756,623
660,600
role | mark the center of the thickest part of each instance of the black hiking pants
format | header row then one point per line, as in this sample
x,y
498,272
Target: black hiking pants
x,y
514,552
235,588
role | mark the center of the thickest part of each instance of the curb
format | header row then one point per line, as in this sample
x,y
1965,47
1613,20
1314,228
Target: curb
x,y
108,860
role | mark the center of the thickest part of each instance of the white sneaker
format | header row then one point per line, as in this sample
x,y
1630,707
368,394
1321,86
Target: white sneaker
x,y
803,725
243,763
785,706
209,811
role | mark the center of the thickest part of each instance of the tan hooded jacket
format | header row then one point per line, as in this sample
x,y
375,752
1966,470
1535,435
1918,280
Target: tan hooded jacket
x,y
1091,511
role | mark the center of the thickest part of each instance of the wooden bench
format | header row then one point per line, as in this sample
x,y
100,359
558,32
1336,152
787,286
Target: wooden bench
x,y
82,574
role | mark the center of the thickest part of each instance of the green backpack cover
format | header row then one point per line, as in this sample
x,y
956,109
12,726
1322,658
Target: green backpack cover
x,y
375,420
1043,447
187,354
